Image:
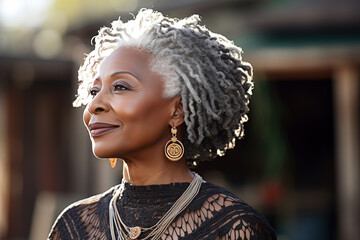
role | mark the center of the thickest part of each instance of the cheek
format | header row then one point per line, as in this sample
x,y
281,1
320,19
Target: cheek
x,y
86,117
146,114
134,110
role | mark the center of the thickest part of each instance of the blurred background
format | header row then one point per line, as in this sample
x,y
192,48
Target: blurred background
x,y
298,164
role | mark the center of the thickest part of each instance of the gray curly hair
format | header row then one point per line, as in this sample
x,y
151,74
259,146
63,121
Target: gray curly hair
x,y
204,68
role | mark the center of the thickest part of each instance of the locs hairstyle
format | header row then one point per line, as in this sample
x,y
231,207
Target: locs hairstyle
x,y
204,68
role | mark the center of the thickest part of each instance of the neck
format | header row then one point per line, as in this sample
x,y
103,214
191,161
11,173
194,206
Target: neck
x,y
155,172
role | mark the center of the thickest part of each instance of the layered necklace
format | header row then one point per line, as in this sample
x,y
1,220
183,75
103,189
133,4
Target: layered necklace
x,y
130,233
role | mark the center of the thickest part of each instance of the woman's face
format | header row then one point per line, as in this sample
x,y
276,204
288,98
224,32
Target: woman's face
x,y
127,113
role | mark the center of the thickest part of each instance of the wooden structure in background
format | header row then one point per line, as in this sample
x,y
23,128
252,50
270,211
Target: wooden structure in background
x,y
37,105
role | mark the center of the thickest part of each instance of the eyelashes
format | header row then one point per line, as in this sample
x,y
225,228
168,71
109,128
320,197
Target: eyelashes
x,y
121,87
93,91
116,87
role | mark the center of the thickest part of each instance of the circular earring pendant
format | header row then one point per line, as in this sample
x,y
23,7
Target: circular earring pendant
x,y
174,150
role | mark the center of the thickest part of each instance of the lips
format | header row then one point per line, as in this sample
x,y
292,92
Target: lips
x,y
98,129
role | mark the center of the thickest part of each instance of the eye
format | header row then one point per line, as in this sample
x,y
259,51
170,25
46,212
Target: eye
x,y
93,91
120,87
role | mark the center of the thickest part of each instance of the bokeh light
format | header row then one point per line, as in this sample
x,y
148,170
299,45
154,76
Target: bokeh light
x,y
28,13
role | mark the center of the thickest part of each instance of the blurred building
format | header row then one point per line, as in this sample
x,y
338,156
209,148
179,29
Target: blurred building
x,y
299,161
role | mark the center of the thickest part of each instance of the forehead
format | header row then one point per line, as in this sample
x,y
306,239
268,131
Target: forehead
x,y
126,59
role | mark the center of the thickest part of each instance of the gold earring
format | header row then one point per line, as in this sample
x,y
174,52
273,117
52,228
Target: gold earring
x,y
174,149
113,162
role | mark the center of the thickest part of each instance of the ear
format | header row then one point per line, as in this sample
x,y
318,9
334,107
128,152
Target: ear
x,y
176,111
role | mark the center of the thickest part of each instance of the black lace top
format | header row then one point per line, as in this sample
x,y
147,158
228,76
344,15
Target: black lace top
x,y
215,213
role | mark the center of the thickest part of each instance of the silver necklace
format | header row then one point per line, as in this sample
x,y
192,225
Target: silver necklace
x,y
130,233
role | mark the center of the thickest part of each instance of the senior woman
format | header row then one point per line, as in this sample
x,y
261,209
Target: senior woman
x,y
163,94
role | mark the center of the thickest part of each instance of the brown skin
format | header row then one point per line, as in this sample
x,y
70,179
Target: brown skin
x,y
127,96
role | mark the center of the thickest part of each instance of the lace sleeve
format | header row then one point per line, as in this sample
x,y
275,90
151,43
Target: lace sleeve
x,y
54,234
64,228
244,223
243,229
84,219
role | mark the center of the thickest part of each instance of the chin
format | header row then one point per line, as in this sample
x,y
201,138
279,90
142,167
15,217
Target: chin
x,y
101,152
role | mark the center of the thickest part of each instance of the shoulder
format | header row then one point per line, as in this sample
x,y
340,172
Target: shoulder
x,y
232,217
222,199
73,220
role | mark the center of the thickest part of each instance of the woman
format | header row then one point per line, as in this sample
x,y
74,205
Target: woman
x,y
163,94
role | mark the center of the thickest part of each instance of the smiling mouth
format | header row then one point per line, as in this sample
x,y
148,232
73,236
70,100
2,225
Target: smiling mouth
x,y
98,129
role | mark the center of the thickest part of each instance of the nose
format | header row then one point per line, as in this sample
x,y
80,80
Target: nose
x,y
98,104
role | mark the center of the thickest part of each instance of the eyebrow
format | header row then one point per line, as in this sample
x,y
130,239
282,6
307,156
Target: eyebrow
x,y
118,73
124,72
